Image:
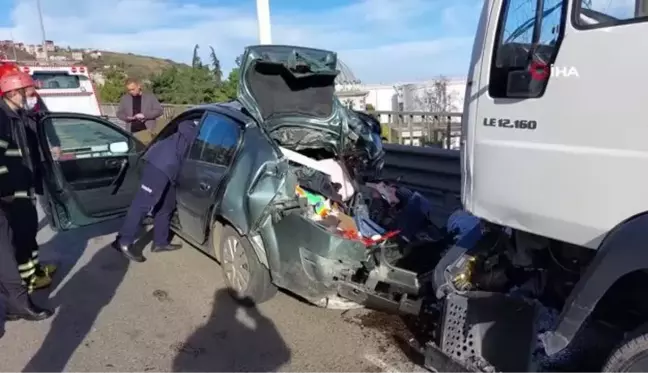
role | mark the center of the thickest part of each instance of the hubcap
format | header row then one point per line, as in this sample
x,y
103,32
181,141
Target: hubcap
x,y
235,265
639,363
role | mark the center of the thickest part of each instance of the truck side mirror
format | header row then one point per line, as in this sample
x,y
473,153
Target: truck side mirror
x,y
524,84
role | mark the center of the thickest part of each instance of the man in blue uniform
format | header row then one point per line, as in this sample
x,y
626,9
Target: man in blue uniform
x,y
157,192
16,185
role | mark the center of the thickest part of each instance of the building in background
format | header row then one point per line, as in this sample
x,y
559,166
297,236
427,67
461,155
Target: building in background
x,y
349,89
440,95
49,46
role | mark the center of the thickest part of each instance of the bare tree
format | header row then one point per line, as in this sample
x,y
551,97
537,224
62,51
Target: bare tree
x,y
437,98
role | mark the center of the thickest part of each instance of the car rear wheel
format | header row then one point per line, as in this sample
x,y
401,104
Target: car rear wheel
x,y
631,355
245,276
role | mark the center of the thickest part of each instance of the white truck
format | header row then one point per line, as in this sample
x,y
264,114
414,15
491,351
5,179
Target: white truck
x,y
553,156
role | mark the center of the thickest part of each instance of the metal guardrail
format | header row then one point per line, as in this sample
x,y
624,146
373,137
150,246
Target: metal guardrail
x,y
433,170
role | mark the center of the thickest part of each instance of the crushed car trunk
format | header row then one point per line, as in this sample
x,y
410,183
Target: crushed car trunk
x,y
316,232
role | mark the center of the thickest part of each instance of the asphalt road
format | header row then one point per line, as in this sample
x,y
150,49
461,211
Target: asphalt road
x,y
172,313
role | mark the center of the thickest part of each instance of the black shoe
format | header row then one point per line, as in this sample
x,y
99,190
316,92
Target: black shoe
x,y
29,312
126,251
163,248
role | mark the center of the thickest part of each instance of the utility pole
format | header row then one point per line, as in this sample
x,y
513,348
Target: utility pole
x,y
42,25
13,45
641,8
263,21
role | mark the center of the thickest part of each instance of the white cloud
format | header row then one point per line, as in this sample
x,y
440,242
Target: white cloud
x,y
381,40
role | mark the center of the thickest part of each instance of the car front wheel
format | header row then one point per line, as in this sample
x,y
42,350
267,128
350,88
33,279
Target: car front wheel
x,y
631,355
246,278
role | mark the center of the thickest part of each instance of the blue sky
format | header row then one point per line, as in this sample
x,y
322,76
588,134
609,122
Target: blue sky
x,y
383,41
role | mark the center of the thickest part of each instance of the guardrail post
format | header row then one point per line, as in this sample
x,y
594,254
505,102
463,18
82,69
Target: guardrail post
x,y
449,133
410,128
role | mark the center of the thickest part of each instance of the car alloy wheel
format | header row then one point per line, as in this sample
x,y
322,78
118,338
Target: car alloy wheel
x,y
236,266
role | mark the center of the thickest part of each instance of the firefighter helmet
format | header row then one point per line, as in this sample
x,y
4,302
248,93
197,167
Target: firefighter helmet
x,y
15,80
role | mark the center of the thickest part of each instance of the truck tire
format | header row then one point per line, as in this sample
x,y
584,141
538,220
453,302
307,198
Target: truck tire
x,y
246,278
631,355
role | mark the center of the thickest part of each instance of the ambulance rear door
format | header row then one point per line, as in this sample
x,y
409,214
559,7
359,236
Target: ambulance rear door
x,y
66,89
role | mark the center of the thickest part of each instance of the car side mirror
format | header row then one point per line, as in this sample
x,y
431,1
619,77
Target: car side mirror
x,y
525,84
118,147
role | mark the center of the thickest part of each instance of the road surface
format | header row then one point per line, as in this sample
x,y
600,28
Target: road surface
x,y
172,313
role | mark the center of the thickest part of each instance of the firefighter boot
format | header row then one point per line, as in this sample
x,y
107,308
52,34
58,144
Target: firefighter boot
x,y
38,281
46,269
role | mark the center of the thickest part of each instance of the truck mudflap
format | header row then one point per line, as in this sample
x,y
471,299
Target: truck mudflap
x,y
482,331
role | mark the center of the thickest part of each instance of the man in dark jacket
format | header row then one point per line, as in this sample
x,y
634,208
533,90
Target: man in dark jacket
x,y
16,192
139,110
157,192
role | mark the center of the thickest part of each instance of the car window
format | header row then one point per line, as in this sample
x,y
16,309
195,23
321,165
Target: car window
x,y
84,138
216,141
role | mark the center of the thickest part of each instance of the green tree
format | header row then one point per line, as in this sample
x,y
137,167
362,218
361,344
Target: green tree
x,y
191,85
195,61
113,87
216,66
230,86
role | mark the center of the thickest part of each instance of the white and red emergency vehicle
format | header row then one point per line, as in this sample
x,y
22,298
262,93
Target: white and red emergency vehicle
x,y
64,87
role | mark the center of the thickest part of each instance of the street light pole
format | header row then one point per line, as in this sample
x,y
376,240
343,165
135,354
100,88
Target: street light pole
x,y
263,20
42,25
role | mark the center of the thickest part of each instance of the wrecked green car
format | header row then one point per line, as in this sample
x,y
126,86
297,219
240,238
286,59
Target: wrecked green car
x,y
271,188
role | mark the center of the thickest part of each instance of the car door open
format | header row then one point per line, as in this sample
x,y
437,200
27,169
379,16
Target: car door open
x,y
95,177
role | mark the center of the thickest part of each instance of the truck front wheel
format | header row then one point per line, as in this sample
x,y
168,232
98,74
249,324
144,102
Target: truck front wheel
x,y
631,355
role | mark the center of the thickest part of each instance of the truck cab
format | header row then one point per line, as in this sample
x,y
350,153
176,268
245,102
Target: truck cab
x,y
552,129
553,144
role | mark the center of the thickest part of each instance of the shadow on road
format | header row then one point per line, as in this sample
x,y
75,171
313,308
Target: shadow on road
x,y
236,338
81,298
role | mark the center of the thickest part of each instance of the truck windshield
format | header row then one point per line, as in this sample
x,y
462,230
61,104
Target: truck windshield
x,y
519,28
56,80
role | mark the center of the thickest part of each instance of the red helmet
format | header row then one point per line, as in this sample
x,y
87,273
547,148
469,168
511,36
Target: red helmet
x,y
15,80
7,67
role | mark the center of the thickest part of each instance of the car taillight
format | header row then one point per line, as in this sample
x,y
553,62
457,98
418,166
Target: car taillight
x,y
81,69
73,69
26,69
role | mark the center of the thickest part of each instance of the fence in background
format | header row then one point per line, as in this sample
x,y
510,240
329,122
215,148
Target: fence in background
x,y
419,128
431,166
